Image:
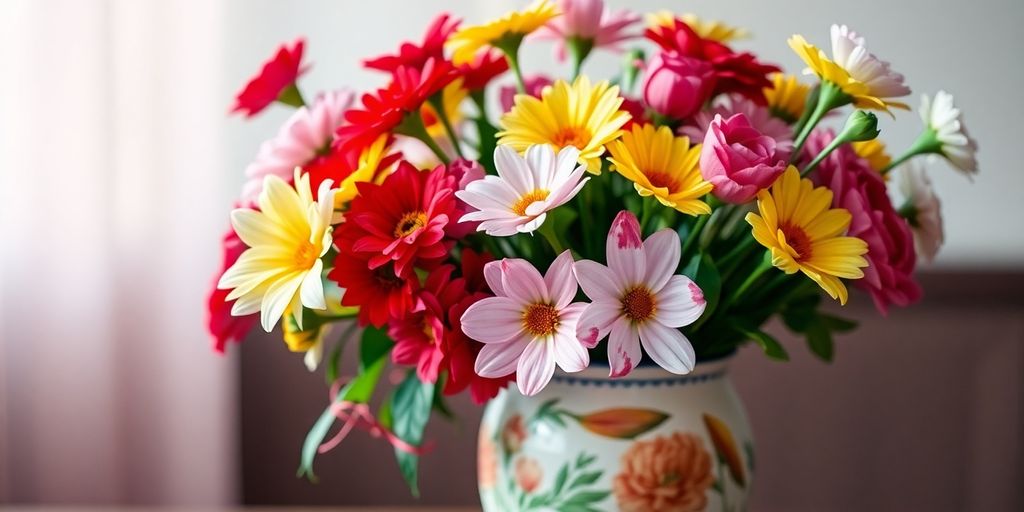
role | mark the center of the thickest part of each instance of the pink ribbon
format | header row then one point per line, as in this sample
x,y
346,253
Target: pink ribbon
x,y
352,415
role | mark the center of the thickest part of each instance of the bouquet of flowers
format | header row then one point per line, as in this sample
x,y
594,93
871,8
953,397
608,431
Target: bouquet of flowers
x,y
483,225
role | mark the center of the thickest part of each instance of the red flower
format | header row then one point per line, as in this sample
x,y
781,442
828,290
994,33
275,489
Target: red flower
x,y
735,72
403,220
222,325
460,350
889,277
383,111
477,74
419,336
413,56
380,294
277,74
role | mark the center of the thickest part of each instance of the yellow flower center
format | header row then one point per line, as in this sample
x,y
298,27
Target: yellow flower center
x,y
638,304
572,136
306,254
797,239
662,180
409,223
519,207
540,319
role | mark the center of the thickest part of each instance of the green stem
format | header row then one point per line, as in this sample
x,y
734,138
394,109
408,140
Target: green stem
x,y
412,126
547,230
578,48
747,283
647,212
291,96
694,234
926,143
830,96
836,142
509,45
438,103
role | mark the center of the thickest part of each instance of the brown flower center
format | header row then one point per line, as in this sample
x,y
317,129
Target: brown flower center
x,y
638,304
386,278
409,223
540,319
797,239
572,136
519,207
306,254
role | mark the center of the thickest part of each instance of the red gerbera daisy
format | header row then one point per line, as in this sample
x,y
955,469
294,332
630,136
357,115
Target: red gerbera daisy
x,y
277,75
380,294
488,65
419,336
735,72
385,110
461,351
221,324
413,56
403,220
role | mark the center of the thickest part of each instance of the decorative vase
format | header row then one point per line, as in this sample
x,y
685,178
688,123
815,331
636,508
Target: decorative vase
x,y
651,441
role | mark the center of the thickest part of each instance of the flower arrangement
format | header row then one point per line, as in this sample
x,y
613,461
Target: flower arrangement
x,y
663,214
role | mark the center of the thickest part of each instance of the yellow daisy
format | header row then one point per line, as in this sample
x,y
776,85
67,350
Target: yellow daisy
x,y
874,152
507,30
868,82
787,97
804,234
662,165
287,236
708,29
582,115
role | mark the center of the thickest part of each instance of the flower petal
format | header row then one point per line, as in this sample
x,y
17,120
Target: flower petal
x,y
668,347
493,320
522,282
680,302
560,280
597,281
625,250
499,359
662,253
492,274
596,321
312,290
623,348
536,366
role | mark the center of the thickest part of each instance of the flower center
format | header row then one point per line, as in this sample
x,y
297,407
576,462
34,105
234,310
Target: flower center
x,y
638,304
540,319
572,136
386,278
306,254
409,223
531,197
662,180
797,239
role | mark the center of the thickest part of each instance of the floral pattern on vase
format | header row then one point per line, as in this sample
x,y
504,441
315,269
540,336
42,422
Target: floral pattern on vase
x,y
667,473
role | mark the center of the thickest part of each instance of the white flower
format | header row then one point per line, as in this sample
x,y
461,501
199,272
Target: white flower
x,y
923,210
526,188
850,52
943,118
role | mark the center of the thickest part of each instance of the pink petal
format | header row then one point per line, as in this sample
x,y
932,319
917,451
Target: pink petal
x,y
492,274
625,250
569,353
680,302
623,348
522,282
667,347
499,359
662,252
493,320
536,366
596,321
597,281
560,281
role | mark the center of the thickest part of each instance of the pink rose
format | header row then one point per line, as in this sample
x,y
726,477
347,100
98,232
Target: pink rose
x,y
528,474
889,277
739,160
464,172
534,86
676,86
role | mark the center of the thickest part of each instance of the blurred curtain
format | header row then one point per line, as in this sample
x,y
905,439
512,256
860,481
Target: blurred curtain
x,y
111,198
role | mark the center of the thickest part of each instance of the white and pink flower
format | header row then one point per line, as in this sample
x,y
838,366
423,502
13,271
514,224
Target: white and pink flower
x,y
526,188
922,209
529,326
639,299
849,51
590,21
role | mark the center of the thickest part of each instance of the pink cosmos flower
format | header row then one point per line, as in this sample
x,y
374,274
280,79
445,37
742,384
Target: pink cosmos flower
x,y
307,132
759,117
530,323
526,188
639,299
589,20
739,160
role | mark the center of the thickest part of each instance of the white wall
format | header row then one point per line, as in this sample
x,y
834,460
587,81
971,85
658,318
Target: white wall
x,y
971,49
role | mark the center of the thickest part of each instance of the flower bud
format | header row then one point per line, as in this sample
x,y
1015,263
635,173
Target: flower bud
x,y
676,86
738,159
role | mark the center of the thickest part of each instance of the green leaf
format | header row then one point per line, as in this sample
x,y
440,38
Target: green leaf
x,y
585,460
334,361
563,475
703,271
373,350
819,340
586,497
411,406
772,348
837,324
585,479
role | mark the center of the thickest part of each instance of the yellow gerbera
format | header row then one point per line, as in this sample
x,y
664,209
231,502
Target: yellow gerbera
x,y
874,152
580,115
863,93
368,170
280,271
662,165
787,97
708,29
508,29
803,233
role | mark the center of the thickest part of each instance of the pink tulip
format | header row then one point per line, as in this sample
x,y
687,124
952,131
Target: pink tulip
x,y
739,160
676,86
